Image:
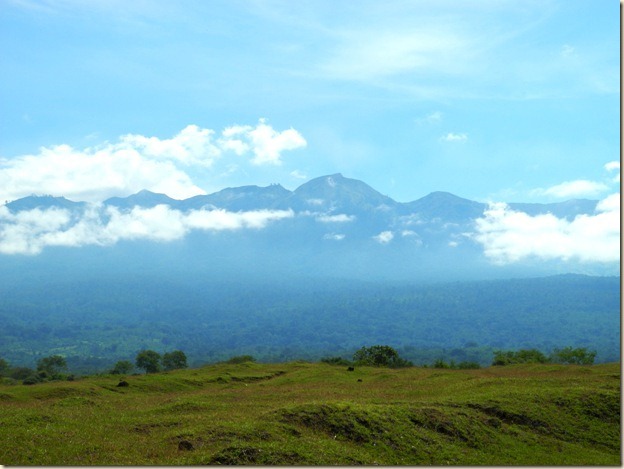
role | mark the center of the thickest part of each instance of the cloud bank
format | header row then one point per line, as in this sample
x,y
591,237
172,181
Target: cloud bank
x,y
510,236
137,162
29,232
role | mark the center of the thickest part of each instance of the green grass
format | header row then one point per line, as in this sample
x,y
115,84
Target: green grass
x,y
317,414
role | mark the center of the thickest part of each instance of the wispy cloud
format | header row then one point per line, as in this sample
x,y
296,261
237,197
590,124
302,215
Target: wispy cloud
x,y
363,56
578,188
334,236
298,174
340,218
582,187
138,162
431,118
454,137
29,232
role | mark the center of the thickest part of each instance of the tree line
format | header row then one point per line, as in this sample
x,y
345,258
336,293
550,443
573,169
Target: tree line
x,y
54,367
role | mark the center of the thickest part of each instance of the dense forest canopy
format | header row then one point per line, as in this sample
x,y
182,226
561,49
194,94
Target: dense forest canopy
x,y
95,324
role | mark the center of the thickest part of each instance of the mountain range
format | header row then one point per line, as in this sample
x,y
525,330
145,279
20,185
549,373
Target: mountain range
x,y
329,226
328,194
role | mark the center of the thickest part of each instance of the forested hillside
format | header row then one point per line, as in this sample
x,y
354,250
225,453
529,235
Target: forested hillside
x,y
94,324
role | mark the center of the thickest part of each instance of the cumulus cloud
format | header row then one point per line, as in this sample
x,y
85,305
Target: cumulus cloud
x,y
266,143
510,236
453,137
91,174
384,237
29,232
191,146
137,162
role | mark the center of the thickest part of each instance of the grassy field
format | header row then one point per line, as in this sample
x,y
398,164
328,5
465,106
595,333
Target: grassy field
x,y
317,414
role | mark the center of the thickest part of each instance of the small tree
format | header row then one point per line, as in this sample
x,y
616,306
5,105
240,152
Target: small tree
x,y
20,372
5,368
573,356
174,360
148,360
510,357
379,355
122,367
52,365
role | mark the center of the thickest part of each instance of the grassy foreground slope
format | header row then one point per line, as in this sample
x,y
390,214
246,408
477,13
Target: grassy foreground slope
x,y
317,414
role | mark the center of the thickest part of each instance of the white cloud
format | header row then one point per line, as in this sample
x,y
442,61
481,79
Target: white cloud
x,y
138,162
452,137
431,118
91,174
509,236
315,202
578,188
384,237
334,236
370,56
298,174
614,166
340,218
567,51
29,232
266,143
192,146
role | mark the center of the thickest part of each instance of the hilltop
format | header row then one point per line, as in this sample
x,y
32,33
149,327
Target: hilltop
x,y
316,414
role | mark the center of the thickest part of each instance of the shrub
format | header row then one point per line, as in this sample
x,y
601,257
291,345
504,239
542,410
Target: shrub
x,y
509,357
20,373
122,367
573,356
30,380
380,355
241,359
468,366
336,361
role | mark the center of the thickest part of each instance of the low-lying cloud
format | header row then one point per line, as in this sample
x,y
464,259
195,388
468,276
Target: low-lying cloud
x,y
29,232
510,236
137,162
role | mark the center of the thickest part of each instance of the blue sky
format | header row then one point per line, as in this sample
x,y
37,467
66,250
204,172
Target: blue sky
x,y
490,100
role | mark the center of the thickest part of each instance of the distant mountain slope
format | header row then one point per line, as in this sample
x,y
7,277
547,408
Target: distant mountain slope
x,y
336,193
239,198
568,209
446,206
43,202
144,198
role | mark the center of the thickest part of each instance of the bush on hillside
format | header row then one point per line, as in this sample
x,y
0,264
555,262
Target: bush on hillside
x,y
241,359
380,355
573,356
